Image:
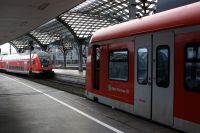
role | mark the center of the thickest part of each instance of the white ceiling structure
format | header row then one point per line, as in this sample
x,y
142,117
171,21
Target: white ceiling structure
x,y
18,17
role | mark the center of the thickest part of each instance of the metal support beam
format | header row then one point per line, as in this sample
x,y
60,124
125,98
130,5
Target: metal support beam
x,y
107,17
132,9
11,43
69,28
76,40
43,47
30,60
10,49
80,58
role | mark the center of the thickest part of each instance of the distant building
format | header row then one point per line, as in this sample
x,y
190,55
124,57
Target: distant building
x,y
58,59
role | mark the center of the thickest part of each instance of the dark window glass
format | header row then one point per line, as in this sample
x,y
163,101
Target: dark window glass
x,y
192,68
97,57
142,65
198,53
162,66
97,53
118,65
191,53
34,62
44,61
96,67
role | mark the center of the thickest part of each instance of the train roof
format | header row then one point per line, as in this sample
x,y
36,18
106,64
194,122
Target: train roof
x,y
15,56
179,17
24,56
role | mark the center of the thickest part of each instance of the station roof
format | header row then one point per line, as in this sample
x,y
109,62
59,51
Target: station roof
x,y
82,21
21,16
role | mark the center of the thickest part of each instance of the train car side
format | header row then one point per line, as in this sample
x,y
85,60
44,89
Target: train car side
x,y
40,64
119,89
187,84
150,70
1,63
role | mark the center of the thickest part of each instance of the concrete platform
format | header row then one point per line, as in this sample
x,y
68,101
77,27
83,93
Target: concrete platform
x,y
70,75
29,107
69,72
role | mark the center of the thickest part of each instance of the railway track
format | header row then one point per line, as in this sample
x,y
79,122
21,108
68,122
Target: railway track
x,y
77,88
69,83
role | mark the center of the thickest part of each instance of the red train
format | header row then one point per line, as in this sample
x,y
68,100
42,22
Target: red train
x,y
20,63
150,67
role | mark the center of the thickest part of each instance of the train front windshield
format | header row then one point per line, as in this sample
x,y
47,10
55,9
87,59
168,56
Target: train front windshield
x,y
44,61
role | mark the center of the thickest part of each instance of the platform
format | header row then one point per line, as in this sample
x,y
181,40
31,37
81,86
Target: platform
x,y
69,72
29,107
70,75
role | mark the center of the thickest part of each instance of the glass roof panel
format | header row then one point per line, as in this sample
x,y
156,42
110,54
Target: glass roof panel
x,y
84,19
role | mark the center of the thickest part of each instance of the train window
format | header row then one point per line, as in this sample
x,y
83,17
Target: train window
x,y
34,62
44,61
198,53
192,67
142,65
191,53
162,66
97,54
118,65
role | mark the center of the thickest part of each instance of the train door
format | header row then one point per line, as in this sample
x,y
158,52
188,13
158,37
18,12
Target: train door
x,y
142,89
96,67
163,78
154,76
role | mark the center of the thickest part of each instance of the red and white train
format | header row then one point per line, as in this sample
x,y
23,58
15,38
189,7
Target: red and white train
x,y
150,67
20,63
